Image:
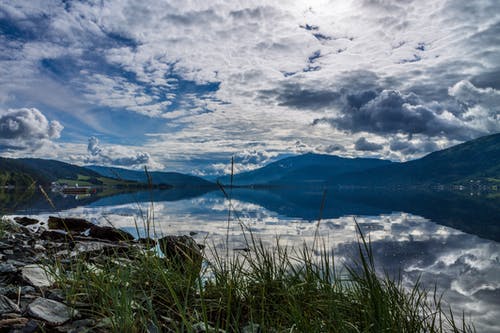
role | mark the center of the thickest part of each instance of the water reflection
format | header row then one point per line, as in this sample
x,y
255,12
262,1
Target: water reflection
x,y
443,238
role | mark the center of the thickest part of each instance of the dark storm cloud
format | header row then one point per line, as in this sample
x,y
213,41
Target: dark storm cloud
x,y
393,112
320,95
487,80
364,145
296,96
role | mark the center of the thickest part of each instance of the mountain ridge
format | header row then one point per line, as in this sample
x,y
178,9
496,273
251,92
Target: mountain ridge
x,y
478,159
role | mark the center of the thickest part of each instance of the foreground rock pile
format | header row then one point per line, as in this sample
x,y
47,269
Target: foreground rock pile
x,y
29,302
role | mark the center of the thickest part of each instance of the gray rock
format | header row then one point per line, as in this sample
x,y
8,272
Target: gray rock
x,y
77,326
30,326
39,248
56,295
201,327
14,324
182,252
7,306
53,312
251,328
7,268
13,292
18,263
88,247
37,276
4,246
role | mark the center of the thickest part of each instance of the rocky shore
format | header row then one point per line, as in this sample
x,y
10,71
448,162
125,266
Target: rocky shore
x,y
30,299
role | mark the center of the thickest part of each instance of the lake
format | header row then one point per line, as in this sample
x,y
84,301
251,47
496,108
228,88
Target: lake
x,y
451,239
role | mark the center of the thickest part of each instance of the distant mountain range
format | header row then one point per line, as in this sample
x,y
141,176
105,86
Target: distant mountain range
x,y
174,179
478,159
306,169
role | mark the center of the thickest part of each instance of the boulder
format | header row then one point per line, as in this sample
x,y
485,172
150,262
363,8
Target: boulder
x,y
109,233
25,220
182,252
69,224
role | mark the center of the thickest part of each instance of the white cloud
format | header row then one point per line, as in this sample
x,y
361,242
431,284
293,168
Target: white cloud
x,y
114,155
27,129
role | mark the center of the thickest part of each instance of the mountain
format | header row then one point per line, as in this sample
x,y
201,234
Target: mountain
x,y
478,159
23,172
174,179
305,169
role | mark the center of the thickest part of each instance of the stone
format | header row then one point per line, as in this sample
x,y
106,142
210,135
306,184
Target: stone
x,y
69,224
53,235
18,263
109,233
56,295
86,247
37,276
201,327
251,328
4,246
182,252
77,326
146,241
13,323
32,326
7,268
53,312
39,248
25,220
13,291
7,306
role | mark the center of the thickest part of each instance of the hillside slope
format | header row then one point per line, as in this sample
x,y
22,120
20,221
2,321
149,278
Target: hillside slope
x,y
478,159
171,178
23,172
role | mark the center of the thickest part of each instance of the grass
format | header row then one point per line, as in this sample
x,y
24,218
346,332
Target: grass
x,y
278,288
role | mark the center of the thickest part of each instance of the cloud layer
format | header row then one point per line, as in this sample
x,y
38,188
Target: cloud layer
x,y
216,78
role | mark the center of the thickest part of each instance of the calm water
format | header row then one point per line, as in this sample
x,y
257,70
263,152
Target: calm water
x,y
448,239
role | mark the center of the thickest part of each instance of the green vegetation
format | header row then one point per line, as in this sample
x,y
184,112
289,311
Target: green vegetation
x,y
82,180
278,289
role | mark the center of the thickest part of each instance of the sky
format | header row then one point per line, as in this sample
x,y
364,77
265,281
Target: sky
x,y
185,85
